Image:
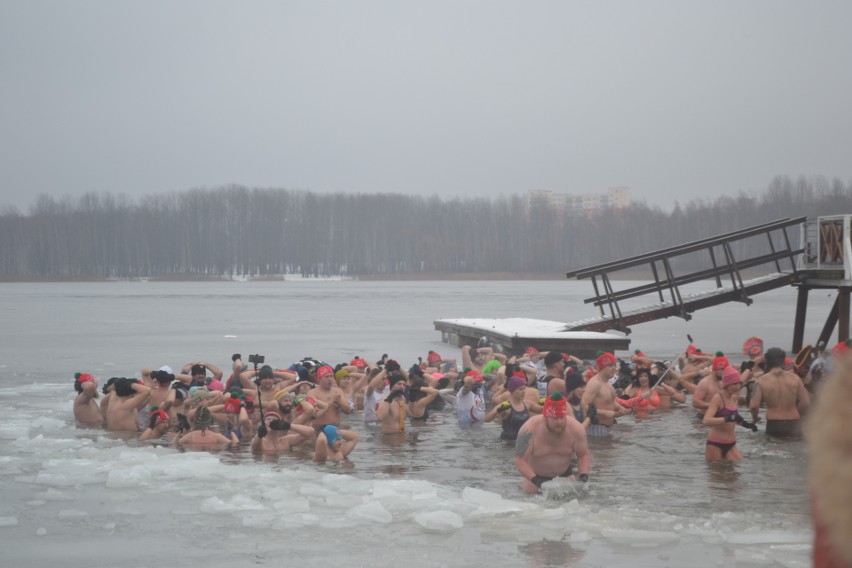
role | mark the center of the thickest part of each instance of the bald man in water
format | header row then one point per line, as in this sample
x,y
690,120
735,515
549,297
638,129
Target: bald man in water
x,y
548,443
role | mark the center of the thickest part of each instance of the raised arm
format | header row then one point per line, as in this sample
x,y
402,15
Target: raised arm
x,y
217,372
350,438
141,397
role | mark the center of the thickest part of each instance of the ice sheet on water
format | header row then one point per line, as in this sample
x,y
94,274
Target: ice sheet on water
x,y
8,521
439,521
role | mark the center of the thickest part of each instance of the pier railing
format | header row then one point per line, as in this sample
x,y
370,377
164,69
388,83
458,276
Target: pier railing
x,y
726,270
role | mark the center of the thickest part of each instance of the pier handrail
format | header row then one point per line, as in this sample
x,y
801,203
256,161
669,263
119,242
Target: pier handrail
x,y
667,283
647,258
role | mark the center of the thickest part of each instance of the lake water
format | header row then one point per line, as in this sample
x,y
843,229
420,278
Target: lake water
x,y
442,496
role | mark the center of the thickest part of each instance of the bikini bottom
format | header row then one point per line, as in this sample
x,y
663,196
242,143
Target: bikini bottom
x,y
724,446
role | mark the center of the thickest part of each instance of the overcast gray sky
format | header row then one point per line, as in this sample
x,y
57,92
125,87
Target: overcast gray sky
x,y
675,99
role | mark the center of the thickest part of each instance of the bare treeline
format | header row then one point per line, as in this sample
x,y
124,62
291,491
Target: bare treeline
x,y
236,231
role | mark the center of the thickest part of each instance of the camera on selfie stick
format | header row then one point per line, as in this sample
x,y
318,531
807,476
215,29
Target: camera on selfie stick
x,y
258,360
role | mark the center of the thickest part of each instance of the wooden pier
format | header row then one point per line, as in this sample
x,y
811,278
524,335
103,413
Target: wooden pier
x,y
820,259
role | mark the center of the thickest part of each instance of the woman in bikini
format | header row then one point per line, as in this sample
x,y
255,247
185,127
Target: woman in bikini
x,y
722,416
640,396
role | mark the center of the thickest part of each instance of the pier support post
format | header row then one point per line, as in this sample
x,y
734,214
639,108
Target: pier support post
x,y
843,314
801,312
830,322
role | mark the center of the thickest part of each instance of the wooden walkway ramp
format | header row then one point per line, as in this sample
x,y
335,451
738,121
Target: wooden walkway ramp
x,y
725,268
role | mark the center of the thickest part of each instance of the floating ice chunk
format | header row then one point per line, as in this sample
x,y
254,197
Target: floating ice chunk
x,y
343,501
753,558
768,537
109,526
41,531
784,548
8,521
13,432
349,485
36,503
230,336
237,503
72,514
439,521
479,497
577,537
293,505
255,520
372,511
632,537
312,490
128,477
52,494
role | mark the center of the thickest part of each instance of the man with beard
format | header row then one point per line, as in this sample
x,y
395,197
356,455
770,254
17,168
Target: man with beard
x,y
547,444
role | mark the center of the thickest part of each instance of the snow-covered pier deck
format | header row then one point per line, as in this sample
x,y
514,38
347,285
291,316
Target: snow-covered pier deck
x,y
515,335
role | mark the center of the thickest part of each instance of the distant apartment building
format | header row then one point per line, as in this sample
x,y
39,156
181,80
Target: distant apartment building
x,y
590,204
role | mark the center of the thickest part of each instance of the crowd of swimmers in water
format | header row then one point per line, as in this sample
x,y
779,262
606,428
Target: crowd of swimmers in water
x,y
549,403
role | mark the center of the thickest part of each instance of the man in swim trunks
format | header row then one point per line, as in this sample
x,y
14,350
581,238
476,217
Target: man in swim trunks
x,y
328,392
784,395
600,393
547,444
710,385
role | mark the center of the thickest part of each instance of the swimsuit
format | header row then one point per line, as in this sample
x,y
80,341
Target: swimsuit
x,y
512,424
784,428
598,430
724,412
724,446
578,413
567,473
